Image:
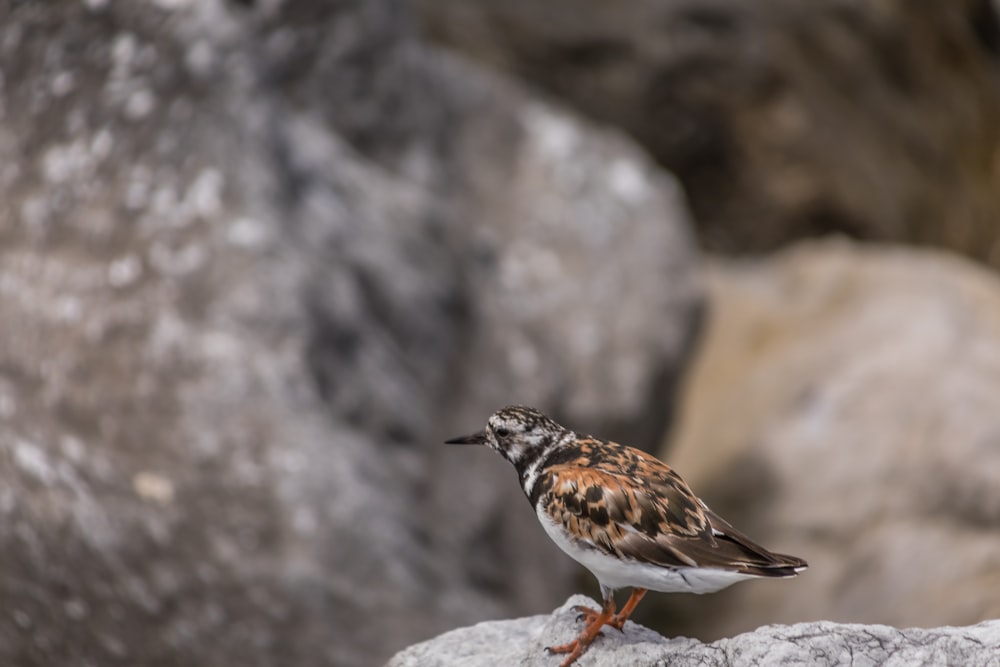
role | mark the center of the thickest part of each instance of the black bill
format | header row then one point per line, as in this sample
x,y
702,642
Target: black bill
x,y
474,439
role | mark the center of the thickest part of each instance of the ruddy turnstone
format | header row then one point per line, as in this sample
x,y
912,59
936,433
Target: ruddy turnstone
x,y
624,515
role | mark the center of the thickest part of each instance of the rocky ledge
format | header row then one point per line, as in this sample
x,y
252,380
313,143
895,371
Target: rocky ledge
x,y
522,642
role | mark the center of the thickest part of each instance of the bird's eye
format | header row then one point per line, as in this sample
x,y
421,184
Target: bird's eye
x,y
501,432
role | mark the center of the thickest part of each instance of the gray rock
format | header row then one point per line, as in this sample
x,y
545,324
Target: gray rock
x,y
258,261
522,642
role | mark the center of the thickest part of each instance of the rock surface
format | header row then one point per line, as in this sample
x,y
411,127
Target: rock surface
x,y
523,641
782,118
843,409
257,260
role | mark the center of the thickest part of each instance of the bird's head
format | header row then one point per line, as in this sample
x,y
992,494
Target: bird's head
x,y
516,432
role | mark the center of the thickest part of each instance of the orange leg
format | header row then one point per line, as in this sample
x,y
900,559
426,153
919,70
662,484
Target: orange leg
x,y
633,600
618,621
594,624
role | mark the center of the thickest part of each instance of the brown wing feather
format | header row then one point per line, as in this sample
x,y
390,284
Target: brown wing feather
x,y
635,506
756,559
601,510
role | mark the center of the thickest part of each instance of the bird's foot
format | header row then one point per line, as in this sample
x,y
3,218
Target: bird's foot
x,y
590,615
574,648
618,622
595,621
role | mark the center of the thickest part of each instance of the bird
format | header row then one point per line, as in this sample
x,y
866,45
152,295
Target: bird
x,y
624,515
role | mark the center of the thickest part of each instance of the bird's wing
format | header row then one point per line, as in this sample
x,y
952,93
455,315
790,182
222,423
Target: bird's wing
x,y
769,563
638,508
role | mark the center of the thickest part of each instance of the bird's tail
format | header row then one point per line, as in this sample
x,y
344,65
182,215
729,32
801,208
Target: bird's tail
x,y
750,557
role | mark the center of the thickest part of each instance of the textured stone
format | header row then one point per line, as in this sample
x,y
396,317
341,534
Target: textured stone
x,y
843,408
257,260
522,642
782,118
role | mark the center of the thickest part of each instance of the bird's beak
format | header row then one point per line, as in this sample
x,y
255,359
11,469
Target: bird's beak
x,y
474,439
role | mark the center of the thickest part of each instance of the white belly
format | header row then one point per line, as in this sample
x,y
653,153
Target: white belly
x,y
615,573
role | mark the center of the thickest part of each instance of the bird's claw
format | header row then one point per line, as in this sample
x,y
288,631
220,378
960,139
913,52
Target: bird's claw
x,y
586,613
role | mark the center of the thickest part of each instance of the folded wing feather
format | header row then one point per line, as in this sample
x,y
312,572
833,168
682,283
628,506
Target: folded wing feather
x,y
644,511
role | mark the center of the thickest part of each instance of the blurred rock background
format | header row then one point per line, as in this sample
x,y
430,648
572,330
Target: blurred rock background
x,y
783,119
259,257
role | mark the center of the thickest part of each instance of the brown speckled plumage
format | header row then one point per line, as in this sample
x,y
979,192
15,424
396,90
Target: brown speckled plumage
x,y
623,514
628,504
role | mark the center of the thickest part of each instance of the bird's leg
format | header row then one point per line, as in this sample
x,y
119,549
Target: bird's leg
x,y
594,624
619,620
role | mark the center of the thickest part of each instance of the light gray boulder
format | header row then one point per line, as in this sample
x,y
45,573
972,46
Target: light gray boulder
x,y
522,642
257,260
